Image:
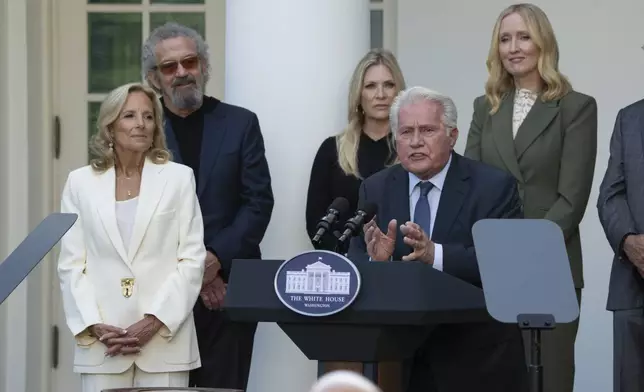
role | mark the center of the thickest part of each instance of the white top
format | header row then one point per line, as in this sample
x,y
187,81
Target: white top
x,y
523,101
125,214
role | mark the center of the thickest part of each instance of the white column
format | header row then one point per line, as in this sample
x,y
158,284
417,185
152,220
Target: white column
x,y
290,61
14,175
3,176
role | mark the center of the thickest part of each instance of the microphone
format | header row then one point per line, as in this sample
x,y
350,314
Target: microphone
x,y
353,226
338,208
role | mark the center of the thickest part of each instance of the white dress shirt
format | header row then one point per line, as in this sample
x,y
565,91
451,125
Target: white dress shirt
x,y
434,197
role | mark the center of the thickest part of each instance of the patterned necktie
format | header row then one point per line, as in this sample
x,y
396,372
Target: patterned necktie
x,y
422,216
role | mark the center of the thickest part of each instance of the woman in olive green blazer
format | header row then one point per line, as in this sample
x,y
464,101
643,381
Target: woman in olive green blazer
x,y
532,124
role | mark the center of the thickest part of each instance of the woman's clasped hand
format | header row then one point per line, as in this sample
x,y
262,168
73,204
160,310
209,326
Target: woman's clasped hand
x,y
126,341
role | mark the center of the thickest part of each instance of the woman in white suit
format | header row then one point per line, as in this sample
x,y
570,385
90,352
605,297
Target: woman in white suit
x,y
132,265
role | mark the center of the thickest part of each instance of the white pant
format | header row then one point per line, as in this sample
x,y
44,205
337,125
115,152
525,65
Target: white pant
x,y
133,377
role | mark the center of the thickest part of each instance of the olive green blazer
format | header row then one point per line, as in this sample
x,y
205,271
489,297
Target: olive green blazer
x,y
552,157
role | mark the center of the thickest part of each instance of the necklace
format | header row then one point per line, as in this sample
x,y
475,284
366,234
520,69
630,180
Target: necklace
x,y
129,191
126,185
125,180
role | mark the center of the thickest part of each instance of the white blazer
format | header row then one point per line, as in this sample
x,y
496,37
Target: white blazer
x,y
165,258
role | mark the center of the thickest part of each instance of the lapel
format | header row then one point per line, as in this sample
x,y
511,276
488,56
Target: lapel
x,y
151,190
638,126
171,142
535,123
106,207
630,124
455,190
501,123
214,132
399,196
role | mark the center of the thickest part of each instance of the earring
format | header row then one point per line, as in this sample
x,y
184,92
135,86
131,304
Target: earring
x,y
110,146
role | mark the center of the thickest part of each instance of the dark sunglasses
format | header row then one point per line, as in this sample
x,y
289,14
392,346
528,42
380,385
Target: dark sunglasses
x,y
189,63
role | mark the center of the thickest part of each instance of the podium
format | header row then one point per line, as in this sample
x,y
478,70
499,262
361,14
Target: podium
x,y
390,319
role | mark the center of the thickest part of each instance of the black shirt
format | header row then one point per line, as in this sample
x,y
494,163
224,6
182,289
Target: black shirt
x,y
189,131
328,181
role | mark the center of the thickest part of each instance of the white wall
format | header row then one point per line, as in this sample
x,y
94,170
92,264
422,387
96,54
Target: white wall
x,y
40,182
14,166
24,178
4,202
443,45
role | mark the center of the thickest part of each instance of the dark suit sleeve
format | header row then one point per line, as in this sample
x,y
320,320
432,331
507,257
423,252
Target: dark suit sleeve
x,y
577,169
459,260
473,144
319,197
249,226
357,247
612,204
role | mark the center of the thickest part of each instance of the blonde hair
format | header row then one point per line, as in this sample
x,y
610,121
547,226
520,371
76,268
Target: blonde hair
x,y
347,142
104,156
500,82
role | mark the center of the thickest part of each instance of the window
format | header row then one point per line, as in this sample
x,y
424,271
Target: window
x,y
377,25
116,30
383,24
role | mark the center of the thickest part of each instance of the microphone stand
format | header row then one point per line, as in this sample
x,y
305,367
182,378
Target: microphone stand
x,y
336,248
321,244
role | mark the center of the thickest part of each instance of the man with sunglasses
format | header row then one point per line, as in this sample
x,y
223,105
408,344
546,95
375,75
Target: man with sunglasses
x,y
224,146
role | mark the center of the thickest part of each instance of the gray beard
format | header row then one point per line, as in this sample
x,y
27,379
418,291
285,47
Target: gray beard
x,y
186,100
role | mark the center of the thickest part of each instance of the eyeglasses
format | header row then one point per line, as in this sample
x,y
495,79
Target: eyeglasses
x,y
189,63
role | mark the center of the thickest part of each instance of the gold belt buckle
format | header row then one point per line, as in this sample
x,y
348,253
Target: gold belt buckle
x,y
127,286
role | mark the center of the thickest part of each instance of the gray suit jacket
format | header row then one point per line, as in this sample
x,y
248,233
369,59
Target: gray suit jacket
x,y
552,159
621,204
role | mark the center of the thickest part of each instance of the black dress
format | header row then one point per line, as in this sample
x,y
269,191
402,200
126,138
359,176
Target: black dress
x,y
328,181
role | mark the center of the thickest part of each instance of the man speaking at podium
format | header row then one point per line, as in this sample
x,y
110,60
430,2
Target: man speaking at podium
x,y
427,206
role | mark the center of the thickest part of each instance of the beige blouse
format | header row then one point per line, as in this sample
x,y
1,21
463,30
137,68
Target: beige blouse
x,y
523,101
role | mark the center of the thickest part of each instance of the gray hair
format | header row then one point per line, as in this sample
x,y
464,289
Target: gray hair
x,y
335,380
167,31
416,94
